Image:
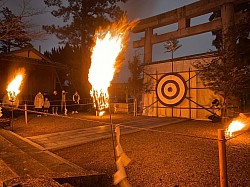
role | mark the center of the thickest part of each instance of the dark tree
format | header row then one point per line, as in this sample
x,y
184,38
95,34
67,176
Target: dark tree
x,y
12,31
136,84
229,73
69,56
17,31
240,8
82,18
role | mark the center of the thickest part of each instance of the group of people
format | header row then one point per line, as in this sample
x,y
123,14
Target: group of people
x,y
43,102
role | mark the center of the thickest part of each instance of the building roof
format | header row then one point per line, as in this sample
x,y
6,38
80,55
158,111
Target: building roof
x,y
30,56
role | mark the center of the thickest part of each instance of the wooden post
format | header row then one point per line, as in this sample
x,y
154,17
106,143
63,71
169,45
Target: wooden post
x,y
135,106
12,116
222,158
25,114
189,93
157,103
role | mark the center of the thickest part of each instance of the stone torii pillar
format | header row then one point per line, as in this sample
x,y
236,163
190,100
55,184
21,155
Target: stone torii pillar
x,y
148,46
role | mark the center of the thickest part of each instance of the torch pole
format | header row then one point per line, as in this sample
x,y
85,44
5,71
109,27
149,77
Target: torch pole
x,y
112,131
222,158
25,113
12,115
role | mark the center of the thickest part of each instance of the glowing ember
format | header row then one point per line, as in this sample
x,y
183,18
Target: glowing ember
x,y
13,87
101,113
109,44
234,126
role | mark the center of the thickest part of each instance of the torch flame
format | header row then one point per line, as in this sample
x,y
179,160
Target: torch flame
x,y
14,86
234,126
109,43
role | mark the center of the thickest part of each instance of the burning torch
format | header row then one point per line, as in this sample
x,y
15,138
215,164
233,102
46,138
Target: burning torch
x,y
241,123
13,91
105,61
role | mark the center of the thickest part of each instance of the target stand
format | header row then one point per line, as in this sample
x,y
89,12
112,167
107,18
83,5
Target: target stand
x,y
171,89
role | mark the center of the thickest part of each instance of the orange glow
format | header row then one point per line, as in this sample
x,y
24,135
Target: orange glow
x,y
105,62
13,88
234,126
101,113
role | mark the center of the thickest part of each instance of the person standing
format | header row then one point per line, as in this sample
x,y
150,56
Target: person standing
x,y
63,103
46,105
38,102
55,102
76,101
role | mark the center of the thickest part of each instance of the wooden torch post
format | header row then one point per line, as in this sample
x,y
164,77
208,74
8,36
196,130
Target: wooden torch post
x,y
25,113
222,158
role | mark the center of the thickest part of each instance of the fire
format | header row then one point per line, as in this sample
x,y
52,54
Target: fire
x,y
241,123
14,86
235,126
109,44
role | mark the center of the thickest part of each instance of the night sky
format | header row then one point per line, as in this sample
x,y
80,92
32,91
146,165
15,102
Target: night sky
x,y
137,9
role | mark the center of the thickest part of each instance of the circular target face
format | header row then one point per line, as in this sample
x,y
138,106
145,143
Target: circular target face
x,y
171,89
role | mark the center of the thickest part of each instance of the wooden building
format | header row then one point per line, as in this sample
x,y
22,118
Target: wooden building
x,y
40,72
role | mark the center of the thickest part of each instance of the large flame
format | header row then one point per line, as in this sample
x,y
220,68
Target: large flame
x,y
13,88
237,125
109,44
234,126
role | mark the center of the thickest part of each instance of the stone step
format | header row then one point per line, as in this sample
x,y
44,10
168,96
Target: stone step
x,y
22,160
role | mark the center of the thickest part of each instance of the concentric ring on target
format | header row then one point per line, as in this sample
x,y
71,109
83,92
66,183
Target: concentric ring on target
x,y
171,89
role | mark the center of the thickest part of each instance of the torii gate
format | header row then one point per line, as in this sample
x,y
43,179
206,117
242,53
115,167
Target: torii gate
x,y
182,16
171,88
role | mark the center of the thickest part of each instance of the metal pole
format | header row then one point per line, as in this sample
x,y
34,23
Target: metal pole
x,y
25,113
222,158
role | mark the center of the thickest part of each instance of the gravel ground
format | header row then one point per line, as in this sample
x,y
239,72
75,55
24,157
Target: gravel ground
x,y
183,154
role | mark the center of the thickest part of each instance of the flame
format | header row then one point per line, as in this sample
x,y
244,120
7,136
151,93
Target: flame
x,y
109,44
234,126
101,113
14,86
241,123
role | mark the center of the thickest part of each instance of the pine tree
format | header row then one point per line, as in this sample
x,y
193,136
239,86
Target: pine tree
x,y
82,18
172,46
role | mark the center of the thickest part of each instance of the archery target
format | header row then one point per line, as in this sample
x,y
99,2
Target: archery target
x,y
171,89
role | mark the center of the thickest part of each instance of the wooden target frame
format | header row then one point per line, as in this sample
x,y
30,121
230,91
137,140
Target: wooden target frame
x,y
171,89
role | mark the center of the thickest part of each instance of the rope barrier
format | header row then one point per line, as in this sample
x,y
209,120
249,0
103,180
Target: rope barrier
x,y
126,126
32,101
62,116
61,105
165,132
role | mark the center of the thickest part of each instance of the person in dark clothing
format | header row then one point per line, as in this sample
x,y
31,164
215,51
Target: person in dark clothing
x,y
76,101
55,101
215,117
